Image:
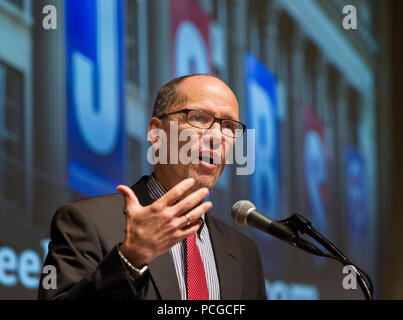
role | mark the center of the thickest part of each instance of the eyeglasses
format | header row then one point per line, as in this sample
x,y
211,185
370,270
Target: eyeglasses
x,y
203,120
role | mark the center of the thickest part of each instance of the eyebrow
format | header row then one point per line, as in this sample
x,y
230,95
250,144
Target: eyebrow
x,y
211,112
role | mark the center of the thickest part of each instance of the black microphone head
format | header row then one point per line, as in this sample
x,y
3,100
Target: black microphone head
x,y
240,211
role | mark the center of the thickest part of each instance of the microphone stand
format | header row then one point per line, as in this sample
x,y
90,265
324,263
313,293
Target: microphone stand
x,y
298,223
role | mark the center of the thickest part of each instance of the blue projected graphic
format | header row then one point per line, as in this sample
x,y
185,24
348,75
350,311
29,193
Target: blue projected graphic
x,y
356,193
316,171
264,182
358,214
262,116
94,60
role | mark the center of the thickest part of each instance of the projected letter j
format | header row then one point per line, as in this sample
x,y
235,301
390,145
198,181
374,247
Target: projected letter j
x,y
96,98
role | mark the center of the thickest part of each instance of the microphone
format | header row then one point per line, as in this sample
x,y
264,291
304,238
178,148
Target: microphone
x,y
244,212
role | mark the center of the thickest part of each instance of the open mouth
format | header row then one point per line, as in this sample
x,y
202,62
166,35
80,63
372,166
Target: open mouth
x,y
209,158
206,159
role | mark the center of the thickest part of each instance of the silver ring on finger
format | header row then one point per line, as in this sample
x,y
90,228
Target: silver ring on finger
x,y
187,218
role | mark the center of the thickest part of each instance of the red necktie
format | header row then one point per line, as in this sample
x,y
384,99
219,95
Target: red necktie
x,y
196,277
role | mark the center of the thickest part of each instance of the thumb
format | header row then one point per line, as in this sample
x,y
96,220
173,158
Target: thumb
x,y
128,195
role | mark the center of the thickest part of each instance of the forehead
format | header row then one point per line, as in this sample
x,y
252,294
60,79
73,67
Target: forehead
x,y
210,94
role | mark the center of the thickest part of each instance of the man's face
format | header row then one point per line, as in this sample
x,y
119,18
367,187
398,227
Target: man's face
x,y
213,96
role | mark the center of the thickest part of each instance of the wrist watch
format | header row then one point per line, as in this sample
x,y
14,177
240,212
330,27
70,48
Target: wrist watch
x,y
137,272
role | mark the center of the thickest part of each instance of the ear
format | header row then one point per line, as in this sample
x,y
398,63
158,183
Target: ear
x,y
155,123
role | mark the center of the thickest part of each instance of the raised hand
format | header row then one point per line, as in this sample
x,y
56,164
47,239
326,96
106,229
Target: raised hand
x,y
154,229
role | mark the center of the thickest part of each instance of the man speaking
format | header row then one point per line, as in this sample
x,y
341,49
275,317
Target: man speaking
x,y
156,240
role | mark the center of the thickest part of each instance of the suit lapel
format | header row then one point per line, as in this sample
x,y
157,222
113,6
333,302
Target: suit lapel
x,y
164,277
141,191
228,261
162,268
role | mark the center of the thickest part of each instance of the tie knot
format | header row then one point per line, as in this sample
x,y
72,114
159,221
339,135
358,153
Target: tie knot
x,y
192,237
191,240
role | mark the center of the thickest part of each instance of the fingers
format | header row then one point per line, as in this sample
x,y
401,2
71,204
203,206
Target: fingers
x,y
176,192
128,195
194,215
191,201
191,229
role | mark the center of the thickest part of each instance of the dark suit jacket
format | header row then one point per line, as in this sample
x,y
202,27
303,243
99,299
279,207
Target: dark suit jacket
x,y
84,249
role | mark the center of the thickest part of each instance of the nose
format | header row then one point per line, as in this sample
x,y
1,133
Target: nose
x,y
216,128
213,136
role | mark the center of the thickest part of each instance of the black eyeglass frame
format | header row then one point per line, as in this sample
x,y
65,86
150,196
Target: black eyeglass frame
x,y
219,120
